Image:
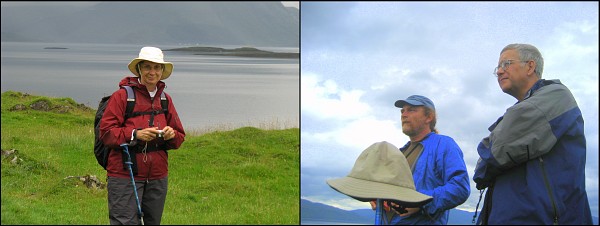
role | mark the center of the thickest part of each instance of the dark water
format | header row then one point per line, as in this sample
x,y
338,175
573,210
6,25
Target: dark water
x,y
207,91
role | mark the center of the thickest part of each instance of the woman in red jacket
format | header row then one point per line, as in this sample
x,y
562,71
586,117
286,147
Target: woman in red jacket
x,y
148,145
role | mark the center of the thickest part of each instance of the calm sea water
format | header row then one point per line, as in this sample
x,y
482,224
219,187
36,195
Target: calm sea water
x,y
208,91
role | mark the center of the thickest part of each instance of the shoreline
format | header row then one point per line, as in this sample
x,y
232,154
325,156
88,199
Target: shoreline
x,y
72,105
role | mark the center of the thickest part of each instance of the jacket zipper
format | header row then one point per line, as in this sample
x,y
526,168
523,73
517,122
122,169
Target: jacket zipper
x,y
549,189
151,124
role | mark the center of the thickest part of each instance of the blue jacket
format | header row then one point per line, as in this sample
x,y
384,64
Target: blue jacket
x,y
533,162
439,172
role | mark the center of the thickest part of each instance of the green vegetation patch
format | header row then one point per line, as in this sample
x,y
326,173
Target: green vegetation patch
x,y
244,176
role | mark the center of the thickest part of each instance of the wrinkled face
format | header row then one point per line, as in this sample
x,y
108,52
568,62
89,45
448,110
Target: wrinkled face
x,y
150,72
414,120
513,78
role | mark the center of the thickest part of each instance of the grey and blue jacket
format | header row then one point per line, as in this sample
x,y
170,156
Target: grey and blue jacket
x,y
440,172
533,162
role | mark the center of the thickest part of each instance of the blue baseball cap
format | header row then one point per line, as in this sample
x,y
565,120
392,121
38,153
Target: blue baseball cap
x,y
416,100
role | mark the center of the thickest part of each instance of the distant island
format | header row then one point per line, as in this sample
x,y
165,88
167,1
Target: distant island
x,y
241,52
56,48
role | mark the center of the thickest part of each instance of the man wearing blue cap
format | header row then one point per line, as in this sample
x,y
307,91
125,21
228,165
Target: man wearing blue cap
x,y
436,162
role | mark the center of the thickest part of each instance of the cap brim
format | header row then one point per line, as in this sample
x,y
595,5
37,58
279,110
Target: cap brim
x,y
365,191
401,103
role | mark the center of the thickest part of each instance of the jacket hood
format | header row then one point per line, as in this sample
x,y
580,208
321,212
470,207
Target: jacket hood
x,y
133,82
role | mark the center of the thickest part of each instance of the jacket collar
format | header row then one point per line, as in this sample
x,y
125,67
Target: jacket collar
x,y
421,141
537,85
133,82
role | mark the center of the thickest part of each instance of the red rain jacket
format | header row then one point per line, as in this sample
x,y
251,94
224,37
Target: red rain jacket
x,y
113,134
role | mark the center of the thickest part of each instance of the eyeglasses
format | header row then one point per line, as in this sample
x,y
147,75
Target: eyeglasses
x,y
146,67
504,65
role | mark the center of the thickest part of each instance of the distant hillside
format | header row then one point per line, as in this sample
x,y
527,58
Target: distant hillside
x,y
268,24
322,213
242,52
319,213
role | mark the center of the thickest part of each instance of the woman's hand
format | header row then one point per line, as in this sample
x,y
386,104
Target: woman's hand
x,y
169,133
147,134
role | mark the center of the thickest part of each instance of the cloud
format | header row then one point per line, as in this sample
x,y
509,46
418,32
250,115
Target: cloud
x,y
323,99
358,59
346,203
355,127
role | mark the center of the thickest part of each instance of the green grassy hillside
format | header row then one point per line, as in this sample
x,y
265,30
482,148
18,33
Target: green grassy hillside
x,y
244,176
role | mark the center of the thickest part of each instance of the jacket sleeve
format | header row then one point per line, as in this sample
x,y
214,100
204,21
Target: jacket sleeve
x,y
455,188
112,131
174,122
528,130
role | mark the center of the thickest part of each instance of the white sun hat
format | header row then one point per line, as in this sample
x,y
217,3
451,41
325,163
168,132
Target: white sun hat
x,y
381,172
151,54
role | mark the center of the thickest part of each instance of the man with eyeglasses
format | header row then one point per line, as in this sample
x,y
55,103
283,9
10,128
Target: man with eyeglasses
x,y
533,161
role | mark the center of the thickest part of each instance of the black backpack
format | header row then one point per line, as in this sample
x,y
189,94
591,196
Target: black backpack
x,y
100,150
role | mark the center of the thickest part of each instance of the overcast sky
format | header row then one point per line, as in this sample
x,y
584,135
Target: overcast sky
x,y
359,58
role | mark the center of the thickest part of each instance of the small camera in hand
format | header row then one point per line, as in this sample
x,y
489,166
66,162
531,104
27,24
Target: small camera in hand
x,y
160,133
395,206
400,209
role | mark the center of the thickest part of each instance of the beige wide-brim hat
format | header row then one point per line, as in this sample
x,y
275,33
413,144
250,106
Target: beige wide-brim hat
x,y
155,55
381,172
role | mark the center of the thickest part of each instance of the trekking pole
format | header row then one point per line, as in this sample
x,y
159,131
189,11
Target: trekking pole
x,y
137,200
379,212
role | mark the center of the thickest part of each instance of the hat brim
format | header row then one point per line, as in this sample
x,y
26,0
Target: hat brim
x,y
364,191
166,73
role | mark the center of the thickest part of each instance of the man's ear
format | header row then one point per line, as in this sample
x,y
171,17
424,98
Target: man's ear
x,y
430,117
532,65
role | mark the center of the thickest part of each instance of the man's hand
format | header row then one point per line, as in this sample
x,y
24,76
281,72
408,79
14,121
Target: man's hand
x,y
386,207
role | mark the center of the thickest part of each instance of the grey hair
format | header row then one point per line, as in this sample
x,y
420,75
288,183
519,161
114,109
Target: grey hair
x,y
528,52
429,111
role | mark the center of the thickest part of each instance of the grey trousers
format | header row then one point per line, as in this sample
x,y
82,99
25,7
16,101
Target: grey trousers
x,y
122,207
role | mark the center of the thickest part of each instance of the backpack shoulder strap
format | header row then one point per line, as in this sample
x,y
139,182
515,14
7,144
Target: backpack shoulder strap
x,y
130,101
164,102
